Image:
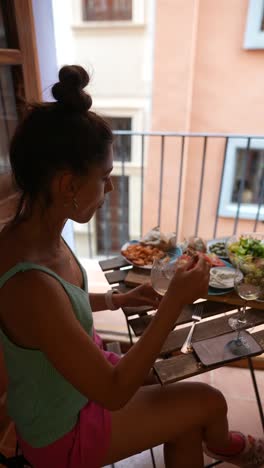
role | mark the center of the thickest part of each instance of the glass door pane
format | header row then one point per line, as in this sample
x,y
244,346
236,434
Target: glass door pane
x,y
8,31
9,88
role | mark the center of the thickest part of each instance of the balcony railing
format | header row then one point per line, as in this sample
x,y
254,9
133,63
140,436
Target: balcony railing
x,y
210,185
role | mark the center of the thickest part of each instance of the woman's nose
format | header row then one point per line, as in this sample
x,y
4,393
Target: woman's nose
x,y
109,187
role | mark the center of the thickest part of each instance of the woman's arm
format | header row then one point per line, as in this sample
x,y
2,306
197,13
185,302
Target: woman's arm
x,y
98,303
47,320
142,295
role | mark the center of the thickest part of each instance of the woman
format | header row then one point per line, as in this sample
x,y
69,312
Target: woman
x,y
73,404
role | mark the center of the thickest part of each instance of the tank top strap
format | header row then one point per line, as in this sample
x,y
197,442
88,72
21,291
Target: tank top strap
x,y
26,266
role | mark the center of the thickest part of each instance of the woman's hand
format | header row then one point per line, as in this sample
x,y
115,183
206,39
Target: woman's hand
x,y
140,296
189,283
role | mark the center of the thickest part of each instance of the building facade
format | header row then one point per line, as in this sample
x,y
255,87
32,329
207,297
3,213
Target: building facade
x,y
172,66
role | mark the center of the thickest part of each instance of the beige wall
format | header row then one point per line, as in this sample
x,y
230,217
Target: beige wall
x,y
203,82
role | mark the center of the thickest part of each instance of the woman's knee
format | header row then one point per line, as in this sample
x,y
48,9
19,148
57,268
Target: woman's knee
x,y
214,401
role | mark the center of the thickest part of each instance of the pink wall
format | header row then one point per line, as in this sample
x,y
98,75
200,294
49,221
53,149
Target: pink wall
x,y
203,82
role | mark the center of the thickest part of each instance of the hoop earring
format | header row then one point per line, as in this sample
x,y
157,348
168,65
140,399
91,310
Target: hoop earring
x,y
75,204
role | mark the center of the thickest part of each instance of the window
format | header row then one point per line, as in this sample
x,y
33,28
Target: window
x,y
122,143
249,165
8,111
254,34
18,68
107,10
19,78
112,226
243,174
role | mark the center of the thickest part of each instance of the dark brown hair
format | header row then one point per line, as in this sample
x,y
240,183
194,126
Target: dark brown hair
x,y
57,135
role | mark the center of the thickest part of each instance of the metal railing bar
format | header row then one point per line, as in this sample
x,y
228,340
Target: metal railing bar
x,y
142,182
161,177
179,188
106,214
186,134
201,187
241,186
90,240
220,188
122,237
260,200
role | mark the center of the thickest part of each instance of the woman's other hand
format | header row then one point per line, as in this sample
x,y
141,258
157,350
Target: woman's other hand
x,y
143,295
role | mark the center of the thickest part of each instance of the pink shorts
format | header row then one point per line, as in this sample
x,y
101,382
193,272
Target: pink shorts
x,y
85,445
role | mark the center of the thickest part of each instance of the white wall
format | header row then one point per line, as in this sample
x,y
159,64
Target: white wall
x,y
49,62
119,56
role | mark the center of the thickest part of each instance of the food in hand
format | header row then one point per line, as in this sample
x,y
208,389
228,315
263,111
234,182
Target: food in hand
x,y
196,243
141,255
191,254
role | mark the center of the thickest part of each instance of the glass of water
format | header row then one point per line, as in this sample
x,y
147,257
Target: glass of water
x,y
161,274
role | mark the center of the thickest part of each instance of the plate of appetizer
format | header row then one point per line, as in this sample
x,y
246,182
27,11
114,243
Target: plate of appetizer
x,y
221,279
218,247
142,255
155,244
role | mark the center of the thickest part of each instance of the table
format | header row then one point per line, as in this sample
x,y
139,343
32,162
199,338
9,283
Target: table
x,y
173,366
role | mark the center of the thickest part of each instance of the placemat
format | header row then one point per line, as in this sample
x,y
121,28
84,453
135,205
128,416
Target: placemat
x,y
215,350
137,276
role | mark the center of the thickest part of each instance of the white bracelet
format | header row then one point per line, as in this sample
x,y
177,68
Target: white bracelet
x,y
109,299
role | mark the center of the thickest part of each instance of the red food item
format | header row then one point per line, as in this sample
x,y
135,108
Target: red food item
x,y
212,259
186,259
192,256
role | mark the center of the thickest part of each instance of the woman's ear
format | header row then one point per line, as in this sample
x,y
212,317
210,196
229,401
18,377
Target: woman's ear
x,y
64,186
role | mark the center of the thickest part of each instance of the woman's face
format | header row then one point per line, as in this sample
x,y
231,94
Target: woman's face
x,y
93,188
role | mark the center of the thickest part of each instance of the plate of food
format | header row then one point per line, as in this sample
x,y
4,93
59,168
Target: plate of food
x,y
142,255
217,264
155,244
248,247
218,247
221,279
246,252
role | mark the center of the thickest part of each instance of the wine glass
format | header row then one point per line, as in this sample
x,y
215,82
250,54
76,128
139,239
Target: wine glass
x,y
161,274
248,285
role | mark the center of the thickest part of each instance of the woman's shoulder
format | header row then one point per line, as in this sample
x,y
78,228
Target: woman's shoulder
x,y
12,252
28,298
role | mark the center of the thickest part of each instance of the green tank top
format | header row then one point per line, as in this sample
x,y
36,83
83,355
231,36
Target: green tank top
x,y
43,405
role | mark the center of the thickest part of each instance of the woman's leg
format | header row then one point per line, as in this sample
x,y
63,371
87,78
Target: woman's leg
x,y
179,415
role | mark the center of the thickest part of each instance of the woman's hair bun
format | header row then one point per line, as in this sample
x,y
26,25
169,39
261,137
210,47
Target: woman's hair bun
x,y
69,90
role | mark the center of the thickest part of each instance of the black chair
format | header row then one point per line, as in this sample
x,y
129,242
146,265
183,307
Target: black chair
x,y
116,348
17,461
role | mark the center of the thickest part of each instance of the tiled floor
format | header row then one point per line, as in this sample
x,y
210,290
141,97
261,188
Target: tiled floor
x,y
243,413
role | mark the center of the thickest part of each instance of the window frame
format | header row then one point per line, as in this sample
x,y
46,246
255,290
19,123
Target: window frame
x,y
137,118
254,36
138,17
26,55
227,208
21,12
